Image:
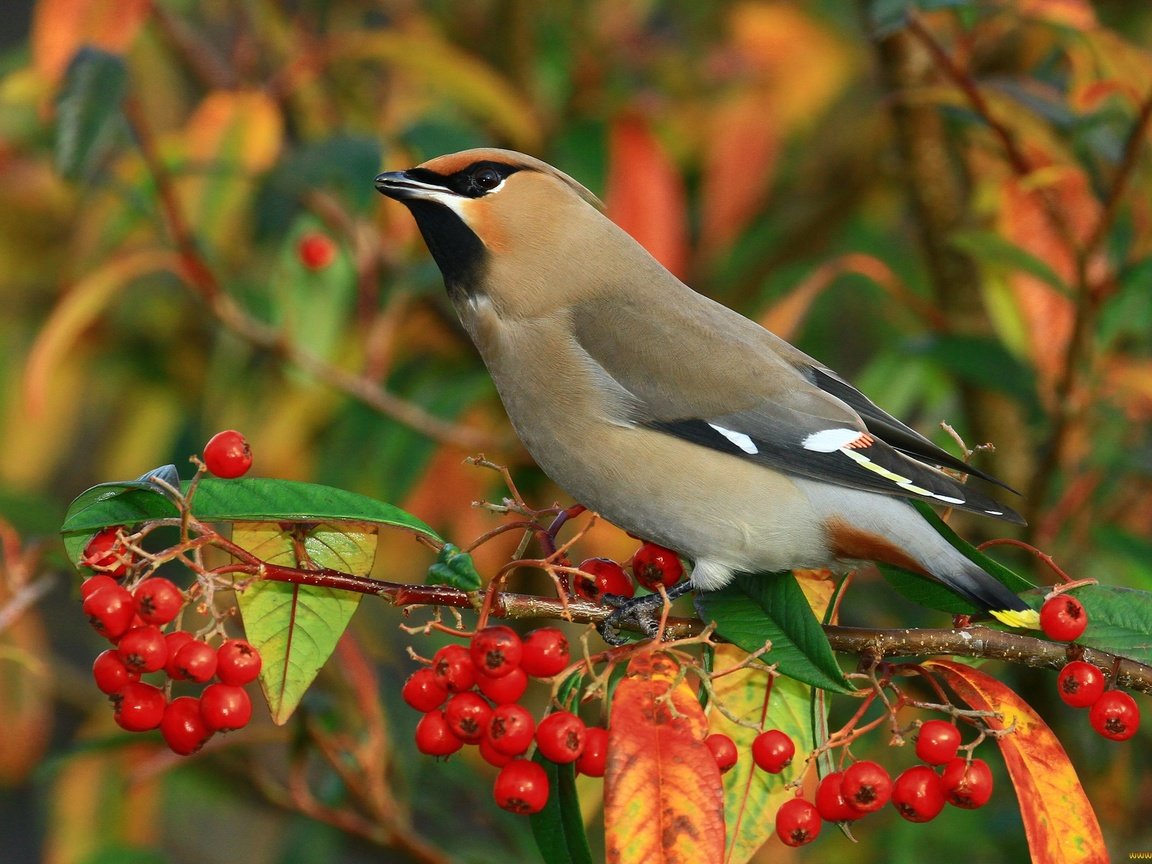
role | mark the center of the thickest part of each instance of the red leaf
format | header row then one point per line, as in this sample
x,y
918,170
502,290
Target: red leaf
x,y
663,798
645,194
1059,821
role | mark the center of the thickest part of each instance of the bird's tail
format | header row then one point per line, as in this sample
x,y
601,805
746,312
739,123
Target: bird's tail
x,y
977,586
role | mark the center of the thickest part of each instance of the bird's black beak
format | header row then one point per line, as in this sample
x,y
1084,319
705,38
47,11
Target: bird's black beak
x,y
403,186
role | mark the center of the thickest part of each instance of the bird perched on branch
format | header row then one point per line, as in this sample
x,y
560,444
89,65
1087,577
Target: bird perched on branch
x,y
671,415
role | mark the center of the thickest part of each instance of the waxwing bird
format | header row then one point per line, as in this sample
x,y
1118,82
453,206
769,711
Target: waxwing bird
x,y
674,417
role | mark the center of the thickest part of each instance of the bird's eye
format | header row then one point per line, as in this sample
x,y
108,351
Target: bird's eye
x,y
486,178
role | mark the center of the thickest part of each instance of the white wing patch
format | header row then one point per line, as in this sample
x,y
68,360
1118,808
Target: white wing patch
x,y
831,440
738,438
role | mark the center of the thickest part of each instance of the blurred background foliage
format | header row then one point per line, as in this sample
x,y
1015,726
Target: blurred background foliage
x,y
949,206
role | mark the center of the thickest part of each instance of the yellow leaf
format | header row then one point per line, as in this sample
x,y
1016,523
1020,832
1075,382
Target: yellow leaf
x,y
1059,821
663,799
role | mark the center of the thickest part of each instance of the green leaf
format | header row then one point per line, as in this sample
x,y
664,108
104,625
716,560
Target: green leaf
x,y
993,251
454,567
88,111
761,607
296,627
1119,620
933,595
248,499
559,827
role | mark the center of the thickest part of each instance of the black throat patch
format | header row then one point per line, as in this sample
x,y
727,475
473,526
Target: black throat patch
x,y
458,252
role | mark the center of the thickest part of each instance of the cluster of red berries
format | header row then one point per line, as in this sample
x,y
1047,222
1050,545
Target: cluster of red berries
x,y
471,695
772,751
918,794
134,621
1112,713
651,566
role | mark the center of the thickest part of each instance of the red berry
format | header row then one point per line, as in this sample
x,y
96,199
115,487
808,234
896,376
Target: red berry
x,y
866,786
434,737
496,651
225,707
423,691
1080,684
773,751
110,611
723,751
467,715
560,737
175,640
937,742
1115,715
143,648
604,576
654,565
918,794
1063,618
830,800
315,250
521,787
237,662
797,822
510,729
594,759
454,669
110,673
196,661
139,706
546,652
506,689
967,784
182,726
491,755
227,454
157,600
106,553
94,583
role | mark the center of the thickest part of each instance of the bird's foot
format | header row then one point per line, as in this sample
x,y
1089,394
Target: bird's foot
x,y
647,613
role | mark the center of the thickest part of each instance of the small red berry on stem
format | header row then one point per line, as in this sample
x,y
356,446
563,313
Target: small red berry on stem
x,y
918,794
1063,618
604,576
510,729
434,737
143,649
158,600
227,454
797,822
546,652
110,611
423,691
967,784
182,726
506,689
196,661
521,787
237,662
454,668
110,672
560,737
654,565
139,706
723,751
773,750
1115,715
594,760
175,640
866,786
94,583
496,650
315,250
467,715
225,707
1080,684
830,800
937,742
106,553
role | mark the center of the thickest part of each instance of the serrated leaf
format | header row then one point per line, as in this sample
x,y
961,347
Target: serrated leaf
x,y
559,827
933,595
88,111
248,499
1059,821
752,796
662,790
296,627
756,608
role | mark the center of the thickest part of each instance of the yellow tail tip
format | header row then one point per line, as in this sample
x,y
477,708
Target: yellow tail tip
x,y
1027,619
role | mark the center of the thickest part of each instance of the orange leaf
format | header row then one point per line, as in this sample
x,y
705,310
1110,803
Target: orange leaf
x,y
663,799
740,156
1059,821
645,194
61,27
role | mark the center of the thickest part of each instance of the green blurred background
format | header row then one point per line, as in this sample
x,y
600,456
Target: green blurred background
x,y
953,213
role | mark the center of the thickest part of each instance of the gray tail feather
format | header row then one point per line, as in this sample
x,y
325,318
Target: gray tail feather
x,y
986,591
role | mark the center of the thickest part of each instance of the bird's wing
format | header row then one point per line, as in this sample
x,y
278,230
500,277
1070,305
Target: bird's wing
x,y
726,383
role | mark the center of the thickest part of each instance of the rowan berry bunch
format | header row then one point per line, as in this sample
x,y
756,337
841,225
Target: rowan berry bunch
x,y
471,695
1111,712
652,567
139,613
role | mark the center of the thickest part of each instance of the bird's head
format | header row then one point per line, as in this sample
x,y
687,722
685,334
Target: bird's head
x,y
498,222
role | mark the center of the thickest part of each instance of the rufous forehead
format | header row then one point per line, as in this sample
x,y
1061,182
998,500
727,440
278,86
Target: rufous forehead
x,y
453,162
